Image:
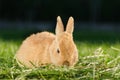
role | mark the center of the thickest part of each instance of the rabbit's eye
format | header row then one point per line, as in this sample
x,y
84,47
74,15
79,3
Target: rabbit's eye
x,y
58,51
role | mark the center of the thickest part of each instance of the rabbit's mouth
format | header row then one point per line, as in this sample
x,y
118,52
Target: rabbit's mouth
x,y
66,63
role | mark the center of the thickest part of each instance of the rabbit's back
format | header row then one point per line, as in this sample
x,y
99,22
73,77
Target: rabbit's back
x,y
35,49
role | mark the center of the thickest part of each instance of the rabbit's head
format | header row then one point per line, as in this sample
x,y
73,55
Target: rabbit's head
x,y
63,50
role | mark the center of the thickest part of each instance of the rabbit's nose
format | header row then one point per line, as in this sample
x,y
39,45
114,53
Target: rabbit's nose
x,y
66,63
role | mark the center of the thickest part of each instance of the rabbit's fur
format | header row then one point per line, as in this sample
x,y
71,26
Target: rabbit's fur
x,y
46,48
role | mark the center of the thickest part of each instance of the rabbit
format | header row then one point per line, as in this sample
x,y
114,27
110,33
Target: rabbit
x,y
47,48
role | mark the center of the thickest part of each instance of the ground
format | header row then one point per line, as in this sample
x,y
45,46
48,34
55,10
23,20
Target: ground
x,y
99,58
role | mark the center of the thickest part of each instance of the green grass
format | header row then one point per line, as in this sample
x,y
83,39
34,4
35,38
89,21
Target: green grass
x,y
98,60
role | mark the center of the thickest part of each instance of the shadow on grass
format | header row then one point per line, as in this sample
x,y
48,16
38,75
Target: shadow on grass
x,y
89,36
16,34
97,37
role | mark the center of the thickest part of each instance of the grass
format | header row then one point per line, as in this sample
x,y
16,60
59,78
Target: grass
x,y
99,59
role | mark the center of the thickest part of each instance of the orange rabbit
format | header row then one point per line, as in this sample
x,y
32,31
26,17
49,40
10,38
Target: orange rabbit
x,y
46,48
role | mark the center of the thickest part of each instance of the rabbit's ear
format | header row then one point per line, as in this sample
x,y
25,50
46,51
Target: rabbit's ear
x,y
70,25
59,26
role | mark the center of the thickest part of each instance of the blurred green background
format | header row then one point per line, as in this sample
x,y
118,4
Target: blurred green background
x,y
94,19
47,10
